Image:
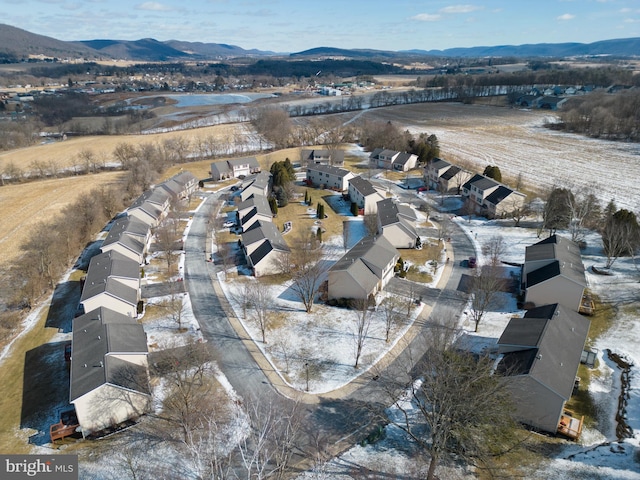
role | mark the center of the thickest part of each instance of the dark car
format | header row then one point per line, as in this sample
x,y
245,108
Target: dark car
x,y
472,262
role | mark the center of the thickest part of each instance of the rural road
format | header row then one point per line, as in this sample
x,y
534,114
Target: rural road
x,y
336,415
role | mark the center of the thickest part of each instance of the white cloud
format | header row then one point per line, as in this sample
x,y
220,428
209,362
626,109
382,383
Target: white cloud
x,y
153,6
426,17
460,9
566,16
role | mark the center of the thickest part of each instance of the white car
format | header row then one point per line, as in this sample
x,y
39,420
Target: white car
x,y
228,224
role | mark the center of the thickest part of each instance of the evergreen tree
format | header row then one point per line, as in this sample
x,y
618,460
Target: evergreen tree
x,y
274,205
494,172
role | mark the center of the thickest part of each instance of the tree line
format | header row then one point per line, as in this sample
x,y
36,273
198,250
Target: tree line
x,y
604,115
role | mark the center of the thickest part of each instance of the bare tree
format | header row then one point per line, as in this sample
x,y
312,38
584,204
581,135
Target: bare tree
x,y
261,303
308,268
585,212
485,285
276,428
167,237
452,404
361,324
391,310
493,249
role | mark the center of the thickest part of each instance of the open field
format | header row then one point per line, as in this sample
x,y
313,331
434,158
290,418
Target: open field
x,y
65,153
517,142
25,205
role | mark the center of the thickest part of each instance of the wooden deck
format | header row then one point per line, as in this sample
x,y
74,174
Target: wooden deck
x,y
587,306
570,426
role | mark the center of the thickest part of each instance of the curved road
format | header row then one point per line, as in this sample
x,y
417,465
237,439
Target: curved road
x,y
335,416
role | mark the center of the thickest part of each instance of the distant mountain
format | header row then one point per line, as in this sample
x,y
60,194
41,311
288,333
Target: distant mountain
x,y
624,47
214,50
146,49
17,44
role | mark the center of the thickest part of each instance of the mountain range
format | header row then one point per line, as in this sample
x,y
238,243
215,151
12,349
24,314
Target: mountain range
x,y
17,44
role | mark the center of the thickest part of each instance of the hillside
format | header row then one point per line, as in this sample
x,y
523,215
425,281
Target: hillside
x,y
18,45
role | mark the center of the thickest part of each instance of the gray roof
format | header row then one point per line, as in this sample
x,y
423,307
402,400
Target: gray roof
x,y
362,185
125,240
153,210
259,180
438,163
564,259
484,183
129,225
221,167
256,205
402,158
156,196
179,183
374,251
330,169
251,161
113,264
376,152
111,286
390,212
473,179
388,153
96,336
546,344
268,231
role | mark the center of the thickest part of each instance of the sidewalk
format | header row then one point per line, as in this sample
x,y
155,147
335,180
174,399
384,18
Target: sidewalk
x,y
274,377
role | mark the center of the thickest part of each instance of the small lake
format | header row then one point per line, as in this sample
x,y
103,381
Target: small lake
x,y
197,99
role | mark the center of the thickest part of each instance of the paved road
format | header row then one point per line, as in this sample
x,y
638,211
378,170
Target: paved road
x,y
340,415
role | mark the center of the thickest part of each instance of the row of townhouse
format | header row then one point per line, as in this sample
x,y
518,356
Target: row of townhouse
x,y
262,243
393,160
310,157
541,352
109,379
484,195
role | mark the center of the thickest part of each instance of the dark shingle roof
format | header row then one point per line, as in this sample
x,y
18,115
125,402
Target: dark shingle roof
x,y
484,183
450,173
330,169
112,264
362,185
498,195
94,341
558,347
438,163
564,256
473,179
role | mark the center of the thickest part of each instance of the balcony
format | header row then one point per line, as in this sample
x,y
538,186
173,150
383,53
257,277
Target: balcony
x,y
570,425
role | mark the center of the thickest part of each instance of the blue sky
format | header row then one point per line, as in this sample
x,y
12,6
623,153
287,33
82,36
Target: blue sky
x,y
295,25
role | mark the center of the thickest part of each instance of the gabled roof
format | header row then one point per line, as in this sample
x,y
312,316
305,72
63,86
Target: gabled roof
x,y
403,158
376,152
374,251
254,205
261,231
96,336
251,161
258,180
546,344
498,195
362,185
112,264
564,259
388,153
177,184
130,225
438,163
330,169
390,212
475,178
156,196
151,209
483,183
450,172
110,286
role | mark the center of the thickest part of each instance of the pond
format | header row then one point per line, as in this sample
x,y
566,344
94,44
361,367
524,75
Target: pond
x,y
197,99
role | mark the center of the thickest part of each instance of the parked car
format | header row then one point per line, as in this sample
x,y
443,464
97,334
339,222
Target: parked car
x,y
472,262
228,224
